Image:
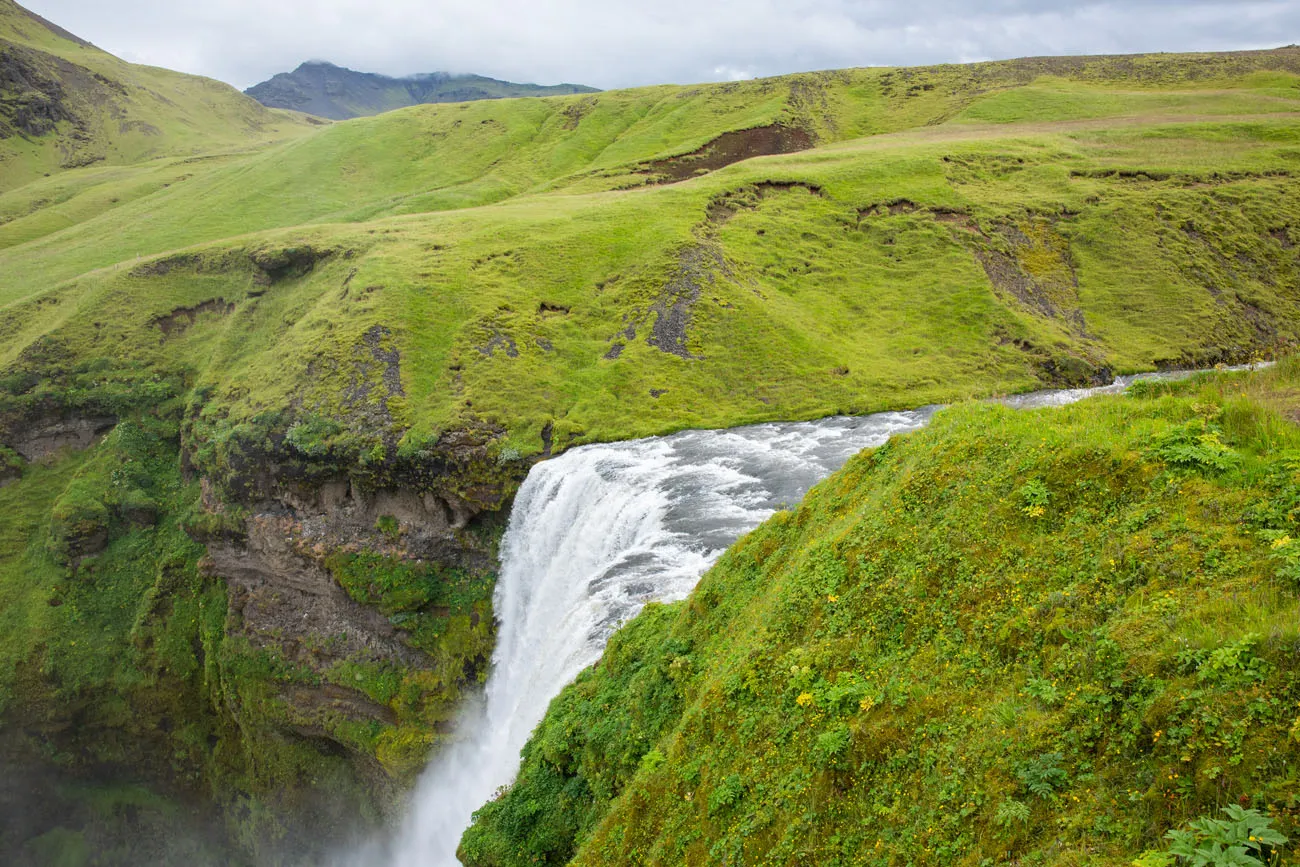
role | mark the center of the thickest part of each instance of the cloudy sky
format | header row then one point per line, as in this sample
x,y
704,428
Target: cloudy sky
x,y
619,43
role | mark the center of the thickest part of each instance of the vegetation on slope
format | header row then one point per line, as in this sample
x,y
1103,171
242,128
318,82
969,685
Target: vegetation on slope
x,y
66,104
326,90
886,271
1039,637
415,306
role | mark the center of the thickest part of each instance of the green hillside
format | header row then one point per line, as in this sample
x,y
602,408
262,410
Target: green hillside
x,y
1015,637
326,90
934,261
66,104
267,388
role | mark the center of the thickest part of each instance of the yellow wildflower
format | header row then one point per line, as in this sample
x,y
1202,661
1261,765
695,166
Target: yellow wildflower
x,y
804,699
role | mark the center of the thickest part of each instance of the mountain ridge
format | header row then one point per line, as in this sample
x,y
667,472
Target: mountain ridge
x,y
328,90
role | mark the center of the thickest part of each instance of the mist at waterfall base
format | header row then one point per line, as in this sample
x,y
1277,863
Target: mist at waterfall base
x,y
594,535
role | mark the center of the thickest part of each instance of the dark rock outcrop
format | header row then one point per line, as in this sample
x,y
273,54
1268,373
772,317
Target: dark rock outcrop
x,y
45,436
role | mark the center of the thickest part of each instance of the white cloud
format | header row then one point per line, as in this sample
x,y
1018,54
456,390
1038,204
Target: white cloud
x,y
617,43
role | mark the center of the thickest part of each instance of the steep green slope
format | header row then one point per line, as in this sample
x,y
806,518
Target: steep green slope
x,y
66,104
326,90
1038,637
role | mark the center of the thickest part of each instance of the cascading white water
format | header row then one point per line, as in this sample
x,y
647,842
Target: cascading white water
x,y
594,535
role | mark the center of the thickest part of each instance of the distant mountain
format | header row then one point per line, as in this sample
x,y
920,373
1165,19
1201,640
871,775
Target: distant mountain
x,y
326,90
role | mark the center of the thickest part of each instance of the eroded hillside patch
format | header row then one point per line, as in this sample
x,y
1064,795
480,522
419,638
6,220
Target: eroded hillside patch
x,y
181,319
728,148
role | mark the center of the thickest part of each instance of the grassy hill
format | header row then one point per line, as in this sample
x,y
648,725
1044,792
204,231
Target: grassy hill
x,y
961,249
326,90
66,104
1015,637
281,391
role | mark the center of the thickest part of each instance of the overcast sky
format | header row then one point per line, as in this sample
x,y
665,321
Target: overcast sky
x,y
622,43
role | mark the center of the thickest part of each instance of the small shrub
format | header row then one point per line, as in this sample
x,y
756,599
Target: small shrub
x,y
1043,690
729,792
388,526
1195,446
1230,664
1034,498
1285,552
832,746
1043,776
1011,812
651,762
311,438
1245,839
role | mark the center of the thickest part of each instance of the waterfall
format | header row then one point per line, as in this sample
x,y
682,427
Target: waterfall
x,y
594,535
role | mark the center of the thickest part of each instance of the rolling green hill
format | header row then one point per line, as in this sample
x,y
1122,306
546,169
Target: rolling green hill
x,y
326,90
66,104
961,250
267,388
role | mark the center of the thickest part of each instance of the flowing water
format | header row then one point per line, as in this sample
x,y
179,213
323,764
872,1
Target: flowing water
x,y
594,535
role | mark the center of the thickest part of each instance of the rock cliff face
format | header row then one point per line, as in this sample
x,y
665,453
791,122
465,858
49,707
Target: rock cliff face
x,y
332,577
301,640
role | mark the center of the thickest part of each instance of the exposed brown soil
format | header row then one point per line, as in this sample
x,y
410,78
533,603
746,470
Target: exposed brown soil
x,y
167,264
128,126
728,148
375,361
1180,179
1000,251
548,438
1055,297
723,207
287,263
893,209
958,218
179,320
